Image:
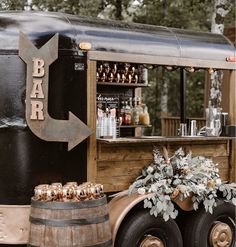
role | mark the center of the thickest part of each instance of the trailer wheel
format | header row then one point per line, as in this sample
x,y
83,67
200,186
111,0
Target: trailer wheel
x,y
211,230
144,230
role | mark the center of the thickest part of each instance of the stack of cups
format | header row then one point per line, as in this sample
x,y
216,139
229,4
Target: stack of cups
x,y
193,128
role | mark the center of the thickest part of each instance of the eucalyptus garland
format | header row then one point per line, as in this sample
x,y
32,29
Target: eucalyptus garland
x,y
179,177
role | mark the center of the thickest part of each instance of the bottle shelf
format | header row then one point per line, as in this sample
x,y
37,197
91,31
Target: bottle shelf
x,y
123,84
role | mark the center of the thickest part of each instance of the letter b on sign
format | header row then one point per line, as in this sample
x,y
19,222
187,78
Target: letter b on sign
x,y
38,67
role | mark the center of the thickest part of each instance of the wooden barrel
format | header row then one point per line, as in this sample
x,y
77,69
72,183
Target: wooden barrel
x,y
68,224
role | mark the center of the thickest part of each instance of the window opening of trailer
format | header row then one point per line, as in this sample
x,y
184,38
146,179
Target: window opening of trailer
x,y
124,88
163,98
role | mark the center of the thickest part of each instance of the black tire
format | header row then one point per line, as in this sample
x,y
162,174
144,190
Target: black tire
x,y
141,224
199,228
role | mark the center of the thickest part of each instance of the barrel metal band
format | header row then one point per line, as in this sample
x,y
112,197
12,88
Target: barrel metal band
x,y
69,205
103,244
71,222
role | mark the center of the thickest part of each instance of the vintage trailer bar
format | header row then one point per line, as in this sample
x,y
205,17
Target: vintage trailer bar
x,y
48,108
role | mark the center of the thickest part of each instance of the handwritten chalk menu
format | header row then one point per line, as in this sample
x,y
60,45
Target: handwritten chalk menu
x,y
109,101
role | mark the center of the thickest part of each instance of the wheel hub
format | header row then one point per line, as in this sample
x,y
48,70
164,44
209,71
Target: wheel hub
x,y
151,241
221,235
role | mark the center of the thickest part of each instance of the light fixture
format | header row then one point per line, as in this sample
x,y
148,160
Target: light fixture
x,y
85,46
211,71
170,68
148,66
231,59
190,69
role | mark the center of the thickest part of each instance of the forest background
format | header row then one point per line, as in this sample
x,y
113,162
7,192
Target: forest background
x,y
162,97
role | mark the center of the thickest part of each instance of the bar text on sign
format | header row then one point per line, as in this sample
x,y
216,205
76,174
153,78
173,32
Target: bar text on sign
x,y
37,90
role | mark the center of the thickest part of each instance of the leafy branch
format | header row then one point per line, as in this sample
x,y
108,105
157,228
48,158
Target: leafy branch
x,y
179,177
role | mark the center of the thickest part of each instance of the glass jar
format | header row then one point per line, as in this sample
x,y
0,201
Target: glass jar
x,y
144,117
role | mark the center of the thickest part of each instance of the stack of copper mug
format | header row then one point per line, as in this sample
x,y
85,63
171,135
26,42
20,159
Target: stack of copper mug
x,y
71,191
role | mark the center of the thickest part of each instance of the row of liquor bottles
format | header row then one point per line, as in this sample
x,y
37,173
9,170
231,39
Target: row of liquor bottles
x,y
131,112
121,73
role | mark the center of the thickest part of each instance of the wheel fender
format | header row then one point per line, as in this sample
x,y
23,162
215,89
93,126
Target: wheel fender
x,y
120,206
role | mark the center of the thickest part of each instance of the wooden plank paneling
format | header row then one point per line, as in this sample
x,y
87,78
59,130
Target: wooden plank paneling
x,y
91,121
113,184
210,150
223,165
115,169
124,152
232,165
119,165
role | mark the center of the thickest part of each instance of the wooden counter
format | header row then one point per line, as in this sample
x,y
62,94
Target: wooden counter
x,y
120,161
163,139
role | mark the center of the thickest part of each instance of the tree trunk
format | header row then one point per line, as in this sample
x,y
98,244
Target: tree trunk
x,y
118,11
221,9
164,93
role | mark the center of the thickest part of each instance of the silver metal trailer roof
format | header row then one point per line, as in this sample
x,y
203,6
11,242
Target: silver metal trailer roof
x,y
133,42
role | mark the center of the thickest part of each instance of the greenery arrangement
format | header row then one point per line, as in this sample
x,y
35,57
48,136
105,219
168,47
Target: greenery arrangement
x,y
179,177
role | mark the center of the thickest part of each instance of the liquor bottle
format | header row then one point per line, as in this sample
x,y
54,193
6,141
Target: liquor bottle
x,y
113,74
134,115
144,116
111,77
137,110
134,75
97,77
100,70
121,112
118,77
133,71
127,114
107,68
123,78
114,69
127,66
129,78
103,77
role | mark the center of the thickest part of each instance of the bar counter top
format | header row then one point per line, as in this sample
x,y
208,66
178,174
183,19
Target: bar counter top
x,y
163,139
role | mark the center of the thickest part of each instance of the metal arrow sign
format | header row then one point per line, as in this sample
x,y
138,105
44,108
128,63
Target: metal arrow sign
x,y
41,124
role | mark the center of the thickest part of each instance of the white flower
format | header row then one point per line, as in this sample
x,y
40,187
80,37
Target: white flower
x,y
218,181
141,191
201,186
150,169
182,188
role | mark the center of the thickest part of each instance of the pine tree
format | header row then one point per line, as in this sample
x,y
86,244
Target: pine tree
x,y
13,4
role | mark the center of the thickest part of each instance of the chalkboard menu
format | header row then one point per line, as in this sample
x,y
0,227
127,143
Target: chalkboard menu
x,y
107,101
